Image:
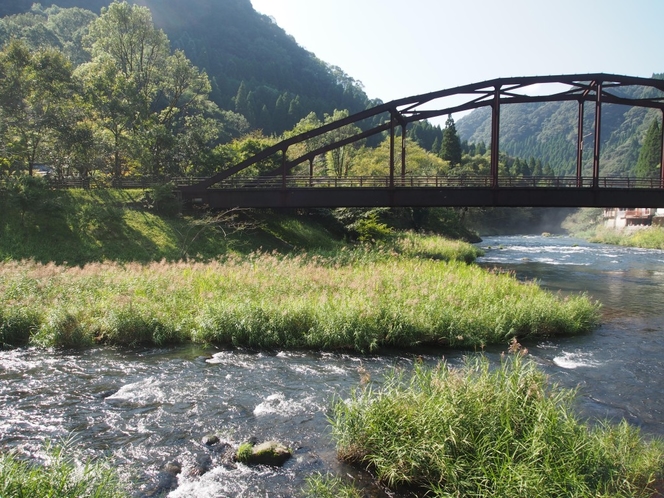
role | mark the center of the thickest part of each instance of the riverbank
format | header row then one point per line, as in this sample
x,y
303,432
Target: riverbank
x,y
588,224
644,238
75,227
84,267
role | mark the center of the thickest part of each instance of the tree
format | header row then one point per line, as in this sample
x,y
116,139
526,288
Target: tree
x,y
35,88
245,147
52,27
240,99
374,161
450,148
435,148
105,91
125,34
649,160
142,94
340,160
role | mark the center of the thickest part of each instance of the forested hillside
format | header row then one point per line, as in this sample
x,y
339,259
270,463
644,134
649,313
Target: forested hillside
x,y
254,67
224,71
548,131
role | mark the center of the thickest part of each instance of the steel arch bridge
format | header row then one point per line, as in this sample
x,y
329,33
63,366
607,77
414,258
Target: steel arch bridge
x,y
280,188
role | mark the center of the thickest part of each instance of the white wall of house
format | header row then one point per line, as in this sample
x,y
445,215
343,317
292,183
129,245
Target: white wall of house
x,y
615,218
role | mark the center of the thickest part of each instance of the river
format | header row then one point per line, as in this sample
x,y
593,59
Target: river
x,y
144,410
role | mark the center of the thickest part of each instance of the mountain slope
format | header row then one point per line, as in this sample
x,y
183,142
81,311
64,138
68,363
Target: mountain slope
x,y
255,67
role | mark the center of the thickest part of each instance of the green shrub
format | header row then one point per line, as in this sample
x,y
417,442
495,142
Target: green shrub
x,y
61,329
369,228
17,323
162,199
130,326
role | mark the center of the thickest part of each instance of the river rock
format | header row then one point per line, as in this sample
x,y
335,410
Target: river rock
x,y
173,468
210,440
201,465
272,453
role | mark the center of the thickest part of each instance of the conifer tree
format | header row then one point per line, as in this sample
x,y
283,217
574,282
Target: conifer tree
x,y
435,148
650,156
241,106
450,149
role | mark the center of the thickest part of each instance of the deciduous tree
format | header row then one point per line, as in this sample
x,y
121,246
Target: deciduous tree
x,y
35,88
143,95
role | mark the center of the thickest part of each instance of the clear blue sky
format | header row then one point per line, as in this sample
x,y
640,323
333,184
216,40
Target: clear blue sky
x,y
398,48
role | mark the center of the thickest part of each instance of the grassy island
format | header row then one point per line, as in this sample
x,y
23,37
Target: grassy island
x,y
361,300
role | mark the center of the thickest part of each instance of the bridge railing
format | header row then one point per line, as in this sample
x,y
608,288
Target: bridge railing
x,y
93,182
460,181
305,181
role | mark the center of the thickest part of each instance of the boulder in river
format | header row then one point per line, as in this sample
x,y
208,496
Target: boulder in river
x,y
272,453
210,440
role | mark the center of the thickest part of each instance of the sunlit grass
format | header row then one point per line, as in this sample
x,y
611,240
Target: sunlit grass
x,y
360,300
646,238
59,477
435,247
479,431
322,486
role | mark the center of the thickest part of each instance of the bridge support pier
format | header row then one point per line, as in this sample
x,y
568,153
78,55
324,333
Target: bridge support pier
x,y
403,154
392,150
283,167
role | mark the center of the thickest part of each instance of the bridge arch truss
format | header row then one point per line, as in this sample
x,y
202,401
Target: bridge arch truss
x,y
278,188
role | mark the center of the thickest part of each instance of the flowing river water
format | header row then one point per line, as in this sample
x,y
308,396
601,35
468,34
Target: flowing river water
x,y
147,411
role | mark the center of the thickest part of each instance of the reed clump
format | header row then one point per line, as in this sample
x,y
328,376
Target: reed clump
x,y
361,300
478,431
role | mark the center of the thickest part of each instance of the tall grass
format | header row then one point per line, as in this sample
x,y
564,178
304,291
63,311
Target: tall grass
x,y
479,431
328,486
61,477
366,302
436,247
647,238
